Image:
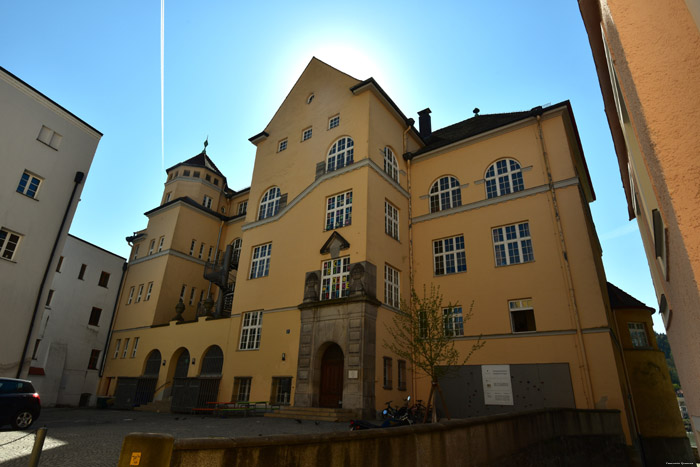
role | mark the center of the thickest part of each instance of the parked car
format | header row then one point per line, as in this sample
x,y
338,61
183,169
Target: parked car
x,y
20,404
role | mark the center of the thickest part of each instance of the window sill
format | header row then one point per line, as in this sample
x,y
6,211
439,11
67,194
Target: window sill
x,y
448,274
388,388
525,332
26,196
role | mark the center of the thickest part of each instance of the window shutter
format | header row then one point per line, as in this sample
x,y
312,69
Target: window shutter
x,y
320,169
658,233
283,201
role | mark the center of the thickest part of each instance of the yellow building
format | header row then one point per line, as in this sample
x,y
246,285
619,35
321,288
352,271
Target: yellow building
x,y
647,56
347,201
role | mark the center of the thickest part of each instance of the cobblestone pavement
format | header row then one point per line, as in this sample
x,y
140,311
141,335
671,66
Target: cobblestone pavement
x,y
91,437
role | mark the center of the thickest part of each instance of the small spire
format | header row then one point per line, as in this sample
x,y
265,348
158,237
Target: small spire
x,y
206,143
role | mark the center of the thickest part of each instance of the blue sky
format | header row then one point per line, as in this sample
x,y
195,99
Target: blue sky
x,y
229,65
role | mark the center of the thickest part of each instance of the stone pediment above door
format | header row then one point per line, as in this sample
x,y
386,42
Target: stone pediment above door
x,y
334,244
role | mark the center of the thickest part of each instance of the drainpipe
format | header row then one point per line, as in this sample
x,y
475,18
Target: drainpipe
x,y
408,157
573,306
77,180
114,318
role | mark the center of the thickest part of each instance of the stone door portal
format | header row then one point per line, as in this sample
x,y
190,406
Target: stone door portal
x,y
331,388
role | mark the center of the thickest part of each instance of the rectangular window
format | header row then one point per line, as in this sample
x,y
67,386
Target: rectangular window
x,y
333,122
138,295
36,348
81,274
207,202
167,197
182,292
512,244
281,390
339,210
260,265
49,298
211,248
522,315
95,316
207,177
335,274
241,389
185,173
391,220
192,245
454,321
49,137
242,207
94,357
387,373
160,244
116,348
28,185
60,263
148,292
126,347
131,296
192,295
136,250
306,134
136,345
638,334
391,287
196,174
151,246
251,330
104,279
401,380
449,255
8,244
282,145
201,250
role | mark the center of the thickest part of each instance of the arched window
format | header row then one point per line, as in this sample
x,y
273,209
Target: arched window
x,y
270,203
236,254
341,154
445,194
391,167
503,177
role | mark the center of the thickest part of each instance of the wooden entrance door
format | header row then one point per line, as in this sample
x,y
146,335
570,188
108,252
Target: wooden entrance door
x,y
331,389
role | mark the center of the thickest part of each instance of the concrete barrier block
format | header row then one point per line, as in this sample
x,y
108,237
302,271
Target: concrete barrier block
x,y
146,450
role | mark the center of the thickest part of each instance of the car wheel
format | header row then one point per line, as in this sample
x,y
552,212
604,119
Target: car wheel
x,y
22,420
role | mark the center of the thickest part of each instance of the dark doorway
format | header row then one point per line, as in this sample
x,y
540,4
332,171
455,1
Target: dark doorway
x,y
331,388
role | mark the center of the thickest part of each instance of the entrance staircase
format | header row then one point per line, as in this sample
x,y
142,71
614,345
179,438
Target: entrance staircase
x,y
314,413
161,406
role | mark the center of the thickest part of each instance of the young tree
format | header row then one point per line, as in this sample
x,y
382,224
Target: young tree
x,y
422,333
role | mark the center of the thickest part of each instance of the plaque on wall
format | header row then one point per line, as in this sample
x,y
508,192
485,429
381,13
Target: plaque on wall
x,y
498,389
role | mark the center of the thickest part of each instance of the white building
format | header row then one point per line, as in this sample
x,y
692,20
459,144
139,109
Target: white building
x,y
45,152
68,351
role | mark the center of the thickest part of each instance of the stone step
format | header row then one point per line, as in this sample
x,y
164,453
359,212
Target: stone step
x,y
314,413
161,406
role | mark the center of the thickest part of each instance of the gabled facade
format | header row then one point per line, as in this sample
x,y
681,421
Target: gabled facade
x,y
348,203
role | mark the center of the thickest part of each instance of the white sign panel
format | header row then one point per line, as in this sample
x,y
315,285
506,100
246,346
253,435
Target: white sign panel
x,y
498,389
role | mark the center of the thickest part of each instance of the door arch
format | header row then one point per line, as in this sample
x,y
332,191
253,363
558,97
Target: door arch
x,y
331,385
183,364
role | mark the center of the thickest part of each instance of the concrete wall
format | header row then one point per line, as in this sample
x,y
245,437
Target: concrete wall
x,y
543,438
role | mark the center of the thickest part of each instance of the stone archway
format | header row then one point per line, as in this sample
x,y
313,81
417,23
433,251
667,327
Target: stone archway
x,y
331,384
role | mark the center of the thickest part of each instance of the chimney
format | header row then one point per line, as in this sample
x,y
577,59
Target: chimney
x,y
424,123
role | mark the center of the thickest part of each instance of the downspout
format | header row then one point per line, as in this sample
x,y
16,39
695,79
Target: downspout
x,y
408,158
114,318
76,180
573,306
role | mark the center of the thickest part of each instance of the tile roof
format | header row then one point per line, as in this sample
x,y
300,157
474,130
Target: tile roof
x,y
621,299
200,160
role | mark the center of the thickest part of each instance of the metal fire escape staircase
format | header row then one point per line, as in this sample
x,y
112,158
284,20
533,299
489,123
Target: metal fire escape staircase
x,y
222,272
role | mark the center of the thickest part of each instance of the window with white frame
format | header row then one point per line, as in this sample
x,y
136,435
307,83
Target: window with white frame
x,y
250,330
236,250
131,296
391,167
392,289
138,295
391,220
167,197
270,203
116,348
211,250
135,346
306,134
49,137
449,256
136,250
333,122
503,177
260,265
445,194
201,250
282,145
522,315
207,202
148,292
160,244
638,334
126,347
28,185
151,246
242,207
341,154
339,210
182,292
192,291
281,390
192,245
241,389
335,274
454,321
512,244
8,244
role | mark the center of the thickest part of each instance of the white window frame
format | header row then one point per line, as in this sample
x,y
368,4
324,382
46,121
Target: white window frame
x,y
523,304
148,292
242,207
243,386
638,335
131,295
391,166
183,291
512,244
282,145
201,251
9,238
211,250
32,184
140,293
335,278
445,193
339,210
236,249
251,330
160,244
306,134
391,220
126,347
503,177
260,261
447,251
136,250
192,292
454,321
207,202
192,245
392,286
341,154
49,137
116,348
134,347
151,246
270,203
334,122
